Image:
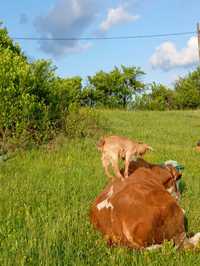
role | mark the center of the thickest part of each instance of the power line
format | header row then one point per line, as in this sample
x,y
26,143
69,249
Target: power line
x,y
107,38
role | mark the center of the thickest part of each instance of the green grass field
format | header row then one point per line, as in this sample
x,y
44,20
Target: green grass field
x,y
45,195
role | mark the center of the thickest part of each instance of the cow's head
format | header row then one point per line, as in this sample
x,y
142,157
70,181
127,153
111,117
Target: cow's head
x,y
172,183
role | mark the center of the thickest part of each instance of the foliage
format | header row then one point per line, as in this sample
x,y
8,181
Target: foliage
x,y
84,122
67,91
113,89
34,101
159,98
188,91
7,43
23,94
184,95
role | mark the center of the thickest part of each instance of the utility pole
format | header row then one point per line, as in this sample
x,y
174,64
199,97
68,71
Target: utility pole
x,y
198,37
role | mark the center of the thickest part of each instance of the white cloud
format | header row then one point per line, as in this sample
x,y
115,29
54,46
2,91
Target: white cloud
x,y
116,16
167,56
66,19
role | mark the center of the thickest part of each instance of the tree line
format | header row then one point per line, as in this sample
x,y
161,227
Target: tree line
x,y
36,103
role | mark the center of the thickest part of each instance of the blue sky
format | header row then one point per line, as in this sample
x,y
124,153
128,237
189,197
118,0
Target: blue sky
x,y
163,59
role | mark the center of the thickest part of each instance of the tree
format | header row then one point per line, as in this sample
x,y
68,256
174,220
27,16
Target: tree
x,y
130,84
7,43
188,91
67,91
159,98
115,88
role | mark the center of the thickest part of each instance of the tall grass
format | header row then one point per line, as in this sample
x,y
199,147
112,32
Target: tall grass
x,y
46,193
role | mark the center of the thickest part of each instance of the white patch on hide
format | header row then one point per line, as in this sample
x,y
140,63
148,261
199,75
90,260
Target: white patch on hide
x,y
105,203
171,190
153,247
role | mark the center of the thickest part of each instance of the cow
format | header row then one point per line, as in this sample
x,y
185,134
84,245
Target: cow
x,y
142,211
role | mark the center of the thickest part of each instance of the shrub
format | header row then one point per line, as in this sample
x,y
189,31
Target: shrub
x,y
159,98
84,122
188,91
35,104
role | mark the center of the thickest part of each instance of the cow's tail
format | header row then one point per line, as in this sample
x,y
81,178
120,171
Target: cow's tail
x,y
100,144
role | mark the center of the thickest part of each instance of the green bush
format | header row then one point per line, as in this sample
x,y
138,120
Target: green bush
x,y
35,104
188,91
24,96
84,122
159,98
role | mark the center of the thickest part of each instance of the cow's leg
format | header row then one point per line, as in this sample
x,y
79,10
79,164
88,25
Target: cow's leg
x,y
180,240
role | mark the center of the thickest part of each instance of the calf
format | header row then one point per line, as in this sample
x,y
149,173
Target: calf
x,y
114,148
140,212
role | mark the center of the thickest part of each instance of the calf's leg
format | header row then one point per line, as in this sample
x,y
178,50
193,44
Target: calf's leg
x,y
106,164
127,162
116,168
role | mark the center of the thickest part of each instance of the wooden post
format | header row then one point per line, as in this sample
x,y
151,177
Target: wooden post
x,y
198,36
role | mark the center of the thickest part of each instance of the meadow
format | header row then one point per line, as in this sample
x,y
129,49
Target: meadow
x,y
46,194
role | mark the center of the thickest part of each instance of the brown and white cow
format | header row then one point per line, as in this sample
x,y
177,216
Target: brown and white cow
x,y
139,212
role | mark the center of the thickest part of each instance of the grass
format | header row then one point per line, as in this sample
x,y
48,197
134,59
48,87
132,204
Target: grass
x,y
45,195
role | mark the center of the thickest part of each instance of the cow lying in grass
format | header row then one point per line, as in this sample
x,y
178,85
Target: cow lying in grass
x,y
114,148
140,212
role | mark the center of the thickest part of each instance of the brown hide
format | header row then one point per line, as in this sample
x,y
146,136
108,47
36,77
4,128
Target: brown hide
x,y
168,175
139,212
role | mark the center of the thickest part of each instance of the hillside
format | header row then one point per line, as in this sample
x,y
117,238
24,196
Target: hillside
x,y
45,194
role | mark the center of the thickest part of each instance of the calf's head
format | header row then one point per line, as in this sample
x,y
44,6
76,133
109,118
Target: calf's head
x,y
142,148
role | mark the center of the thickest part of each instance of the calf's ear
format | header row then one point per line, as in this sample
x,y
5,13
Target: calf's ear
x,y
150,148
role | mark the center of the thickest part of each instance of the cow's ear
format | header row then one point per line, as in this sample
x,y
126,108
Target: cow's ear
x,y
176,174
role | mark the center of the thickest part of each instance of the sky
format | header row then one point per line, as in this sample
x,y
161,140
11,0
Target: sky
x,y
163,59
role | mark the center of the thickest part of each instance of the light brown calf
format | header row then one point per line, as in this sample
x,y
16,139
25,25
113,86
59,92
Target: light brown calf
x,y
114,148
139,213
